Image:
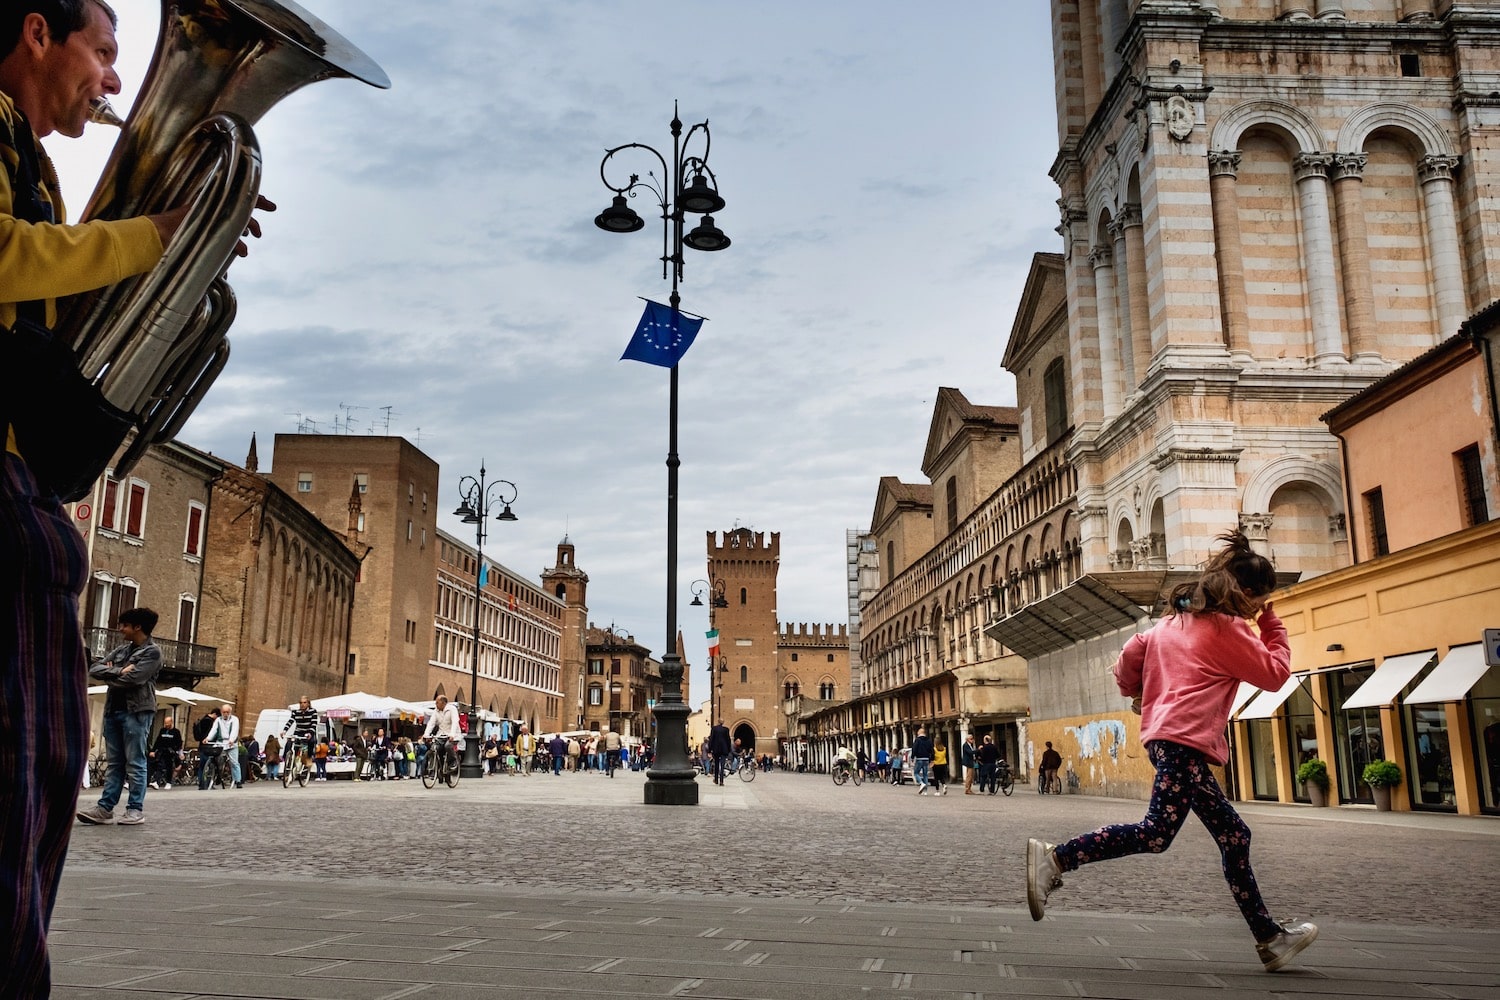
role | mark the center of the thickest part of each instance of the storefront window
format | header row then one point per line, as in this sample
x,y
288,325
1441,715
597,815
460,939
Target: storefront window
x,y
1262,759
1358,733
1429,757
1484,720
1301,735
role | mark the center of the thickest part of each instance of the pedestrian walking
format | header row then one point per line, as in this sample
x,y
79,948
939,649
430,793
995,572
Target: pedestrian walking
x,y
558,748
273,757
1182,675
921,760
940,767
719,748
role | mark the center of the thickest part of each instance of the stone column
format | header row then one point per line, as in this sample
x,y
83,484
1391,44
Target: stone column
x,y
1222,164
1135,277
1295,10
1435,173
1124,314
1416,10
1311,172
1108,327
1354,254
1331,10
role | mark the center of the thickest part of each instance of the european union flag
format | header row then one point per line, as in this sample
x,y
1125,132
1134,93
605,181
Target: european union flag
x,y
662,336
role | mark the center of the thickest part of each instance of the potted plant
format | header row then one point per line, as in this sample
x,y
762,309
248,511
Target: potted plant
x,y
1313,774
1382,776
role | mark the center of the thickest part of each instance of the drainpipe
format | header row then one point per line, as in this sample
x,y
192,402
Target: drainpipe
x,y
1349,507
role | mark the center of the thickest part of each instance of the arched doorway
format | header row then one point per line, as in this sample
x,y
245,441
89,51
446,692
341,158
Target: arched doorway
x,y
745,733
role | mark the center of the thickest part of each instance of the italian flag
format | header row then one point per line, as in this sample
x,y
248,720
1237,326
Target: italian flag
x,y
713,641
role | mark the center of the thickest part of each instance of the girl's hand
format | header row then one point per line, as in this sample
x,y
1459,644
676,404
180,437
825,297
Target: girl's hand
x,y
1135,704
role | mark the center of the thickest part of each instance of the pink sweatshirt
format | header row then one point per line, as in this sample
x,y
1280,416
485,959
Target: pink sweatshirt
x,y
1187,668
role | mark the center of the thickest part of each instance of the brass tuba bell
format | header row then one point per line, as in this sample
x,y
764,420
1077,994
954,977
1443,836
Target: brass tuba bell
x,y
152,344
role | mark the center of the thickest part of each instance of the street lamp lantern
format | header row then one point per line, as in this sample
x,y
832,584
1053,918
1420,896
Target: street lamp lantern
x,y
479,497
685,186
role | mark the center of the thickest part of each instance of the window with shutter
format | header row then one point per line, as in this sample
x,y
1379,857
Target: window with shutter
x,y
135,515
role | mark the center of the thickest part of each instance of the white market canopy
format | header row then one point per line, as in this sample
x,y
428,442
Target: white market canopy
x,y
369,706
168,696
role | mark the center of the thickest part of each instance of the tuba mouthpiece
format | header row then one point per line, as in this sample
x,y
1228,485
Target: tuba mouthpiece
x,y
101,113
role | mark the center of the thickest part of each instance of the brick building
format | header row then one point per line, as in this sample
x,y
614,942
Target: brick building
x,y
769,675
397,486
521,634
621,684
278,594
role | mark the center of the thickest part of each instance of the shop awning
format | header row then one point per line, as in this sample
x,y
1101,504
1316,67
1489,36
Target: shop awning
x,y
1393,674
1244,694
1451,679
1266,703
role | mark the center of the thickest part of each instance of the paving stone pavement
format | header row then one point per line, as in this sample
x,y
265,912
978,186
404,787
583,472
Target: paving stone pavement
x,y
784,887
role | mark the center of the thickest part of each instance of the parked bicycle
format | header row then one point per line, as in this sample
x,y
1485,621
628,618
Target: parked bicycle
x,y
1003,780
98,767
440,764
1048,783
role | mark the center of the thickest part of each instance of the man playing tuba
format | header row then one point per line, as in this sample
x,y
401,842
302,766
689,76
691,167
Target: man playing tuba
x,y
56,56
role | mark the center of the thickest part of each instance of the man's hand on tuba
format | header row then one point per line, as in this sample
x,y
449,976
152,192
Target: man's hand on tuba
x,y
262,204
167,223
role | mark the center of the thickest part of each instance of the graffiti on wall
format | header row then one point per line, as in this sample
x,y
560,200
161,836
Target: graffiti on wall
x,y
1092,741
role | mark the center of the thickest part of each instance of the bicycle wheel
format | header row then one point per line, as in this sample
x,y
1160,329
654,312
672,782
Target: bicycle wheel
x,y
857,775
1007,783
840,775
304,772
288,770
429,773
747,772
451,776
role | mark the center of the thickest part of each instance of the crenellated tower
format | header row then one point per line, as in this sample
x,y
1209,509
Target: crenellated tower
x,y
746,563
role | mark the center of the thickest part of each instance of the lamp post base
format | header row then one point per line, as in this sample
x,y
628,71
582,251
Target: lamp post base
x,y
668,792
472,766
672,780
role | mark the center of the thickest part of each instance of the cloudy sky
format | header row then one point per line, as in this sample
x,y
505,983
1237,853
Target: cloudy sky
x,y
433,269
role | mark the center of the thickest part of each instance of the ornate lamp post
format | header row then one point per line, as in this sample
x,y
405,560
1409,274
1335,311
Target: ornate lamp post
x,y
716,667
477,499
685,186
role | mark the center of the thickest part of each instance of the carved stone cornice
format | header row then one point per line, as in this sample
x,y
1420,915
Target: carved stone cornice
x,y
1175,456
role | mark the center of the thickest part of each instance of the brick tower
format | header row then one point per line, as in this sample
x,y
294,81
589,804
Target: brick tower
x,y
746,562
569,584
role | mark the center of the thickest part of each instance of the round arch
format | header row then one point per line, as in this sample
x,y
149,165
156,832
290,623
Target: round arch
x,y
1290,469
1421,126
1238,120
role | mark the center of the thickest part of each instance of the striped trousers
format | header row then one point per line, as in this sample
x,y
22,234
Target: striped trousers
x,y
43,718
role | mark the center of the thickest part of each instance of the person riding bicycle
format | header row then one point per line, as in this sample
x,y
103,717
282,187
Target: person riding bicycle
x,y
444,727
223,738
303,730
845,757
612,744
1051,762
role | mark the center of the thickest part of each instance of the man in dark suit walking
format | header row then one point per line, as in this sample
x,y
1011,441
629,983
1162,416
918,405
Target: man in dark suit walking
x,y
719,746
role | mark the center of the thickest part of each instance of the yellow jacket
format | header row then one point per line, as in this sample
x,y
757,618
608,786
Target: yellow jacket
x,y
48,260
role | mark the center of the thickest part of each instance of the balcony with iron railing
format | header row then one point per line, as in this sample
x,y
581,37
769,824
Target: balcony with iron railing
x,y
182,663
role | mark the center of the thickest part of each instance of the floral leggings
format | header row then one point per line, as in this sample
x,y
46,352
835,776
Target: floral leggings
x,y
1184,783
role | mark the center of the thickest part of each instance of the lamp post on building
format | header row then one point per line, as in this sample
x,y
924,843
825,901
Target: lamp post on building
x,y
686,185
476,499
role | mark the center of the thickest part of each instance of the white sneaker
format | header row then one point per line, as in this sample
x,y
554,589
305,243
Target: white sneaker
x,y
1282,948
132,817
1043,876
167,786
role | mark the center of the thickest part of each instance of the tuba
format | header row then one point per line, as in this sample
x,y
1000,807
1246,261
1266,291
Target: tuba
x,y
151,345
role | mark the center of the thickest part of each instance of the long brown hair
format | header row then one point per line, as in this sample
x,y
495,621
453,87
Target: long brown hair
x,y
1232,582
